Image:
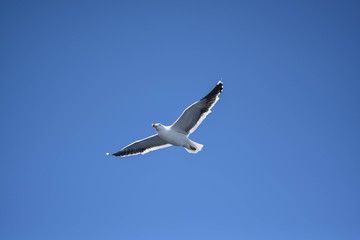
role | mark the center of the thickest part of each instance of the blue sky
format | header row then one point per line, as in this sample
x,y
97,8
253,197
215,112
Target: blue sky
x,y
281,148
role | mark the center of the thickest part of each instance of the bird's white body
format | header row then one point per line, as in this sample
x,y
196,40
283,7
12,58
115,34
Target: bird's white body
x,y
172,137
177,139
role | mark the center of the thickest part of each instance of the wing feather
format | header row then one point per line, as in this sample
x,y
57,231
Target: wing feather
x,y
193,116
142,146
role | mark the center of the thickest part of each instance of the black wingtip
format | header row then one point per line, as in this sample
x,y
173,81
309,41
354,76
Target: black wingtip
x,y
219,85
112,154
217,90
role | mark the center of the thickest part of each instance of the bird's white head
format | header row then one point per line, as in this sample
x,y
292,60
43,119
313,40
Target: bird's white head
x,y
157,126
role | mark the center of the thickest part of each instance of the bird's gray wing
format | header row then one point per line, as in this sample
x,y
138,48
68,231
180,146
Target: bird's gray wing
x,y
192,117
142,146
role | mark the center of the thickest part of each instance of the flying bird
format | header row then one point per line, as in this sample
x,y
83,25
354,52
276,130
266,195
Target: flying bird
x,y
178,133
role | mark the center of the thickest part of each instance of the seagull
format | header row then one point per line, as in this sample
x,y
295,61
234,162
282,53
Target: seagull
x,y
178,133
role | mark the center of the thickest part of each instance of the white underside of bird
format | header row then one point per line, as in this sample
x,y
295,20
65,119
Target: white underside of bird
x,y
177,139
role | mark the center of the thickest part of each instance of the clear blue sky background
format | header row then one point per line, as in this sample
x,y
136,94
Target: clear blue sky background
x,y
281,148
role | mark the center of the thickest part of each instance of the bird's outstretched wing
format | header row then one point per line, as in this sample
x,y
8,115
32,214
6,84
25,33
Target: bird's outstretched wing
x,y
192,117
142,146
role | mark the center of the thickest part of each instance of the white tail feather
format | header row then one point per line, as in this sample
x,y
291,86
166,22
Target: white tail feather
x,y
195,145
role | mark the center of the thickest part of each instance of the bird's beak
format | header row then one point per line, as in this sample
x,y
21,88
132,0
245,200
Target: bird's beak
x,y
153,125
